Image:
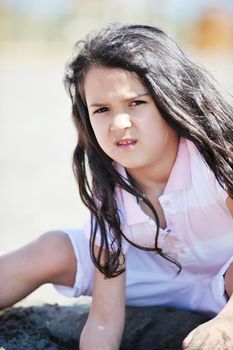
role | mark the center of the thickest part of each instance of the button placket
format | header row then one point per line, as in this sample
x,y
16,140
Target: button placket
x,y
167,210
170,223
166,202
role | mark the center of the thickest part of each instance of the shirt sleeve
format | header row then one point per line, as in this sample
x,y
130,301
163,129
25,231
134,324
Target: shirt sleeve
x,y
218,284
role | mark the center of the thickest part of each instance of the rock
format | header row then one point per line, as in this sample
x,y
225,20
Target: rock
x,y
54,327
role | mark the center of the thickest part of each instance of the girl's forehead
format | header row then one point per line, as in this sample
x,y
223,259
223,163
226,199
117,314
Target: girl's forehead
x,y
110,73
107,80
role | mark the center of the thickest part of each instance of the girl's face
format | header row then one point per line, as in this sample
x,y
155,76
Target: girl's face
x,y
126,122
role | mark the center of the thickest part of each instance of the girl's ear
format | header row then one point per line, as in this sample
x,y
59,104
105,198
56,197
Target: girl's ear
x,y
229,202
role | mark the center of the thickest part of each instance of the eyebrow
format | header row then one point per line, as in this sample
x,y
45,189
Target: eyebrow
x,y
96,104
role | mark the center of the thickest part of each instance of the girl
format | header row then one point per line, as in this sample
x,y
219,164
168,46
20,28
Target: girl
x,y
154,166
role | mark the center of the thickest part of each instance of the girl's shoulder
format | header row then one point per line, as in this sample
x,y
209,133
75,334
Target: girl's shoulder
x,y
201,172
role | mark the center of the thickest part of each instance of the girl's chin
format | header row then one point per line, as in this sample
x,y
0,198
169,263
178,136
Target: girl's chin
x,y
132,165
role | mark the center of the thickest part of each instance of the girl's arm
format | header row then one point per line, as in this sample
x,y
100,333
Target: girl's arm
x,y
105,324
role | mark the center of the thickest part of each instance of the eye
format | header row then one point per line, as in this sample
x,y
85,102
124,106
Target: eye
x,y
137,103
101,110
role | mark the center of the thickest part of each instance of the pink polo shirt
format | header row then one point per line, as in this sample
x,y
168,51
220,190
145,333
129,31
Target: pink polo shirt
x,y
199,234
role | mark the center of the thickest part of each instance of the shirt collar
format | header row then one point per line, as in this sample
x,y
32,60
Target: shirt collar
x,y
180,179
180,176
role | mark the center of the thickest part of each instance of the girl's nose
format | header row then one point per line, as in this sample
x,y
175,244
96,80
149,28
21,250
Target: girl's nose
x,y
121,121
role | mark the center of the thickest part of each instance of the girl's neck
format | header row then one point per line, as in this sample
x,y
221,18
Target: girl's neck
x,y
153,180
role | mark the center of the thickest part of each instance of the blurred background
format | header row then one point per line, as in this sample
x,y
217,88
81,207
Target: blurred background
x,y
37,191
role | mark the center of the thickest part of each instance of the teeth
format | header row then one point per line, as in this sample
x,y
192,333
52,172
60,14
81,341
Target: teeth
x,y
125,142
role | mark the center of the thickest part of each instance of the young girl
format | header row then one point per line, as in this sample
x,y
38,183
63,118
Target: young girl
x,y
154,167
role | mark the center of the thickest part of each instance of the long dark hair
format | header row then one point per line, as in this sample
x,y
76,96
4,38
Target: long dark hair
x,y
187,100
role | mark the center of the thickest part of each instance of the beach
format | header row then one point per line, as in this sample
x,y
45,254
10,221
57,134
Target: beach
x,y
38,194
37,137
38,191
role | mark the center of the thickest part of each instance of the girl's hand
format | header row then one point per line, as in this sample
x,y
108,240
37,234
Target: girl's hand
x,y
215,334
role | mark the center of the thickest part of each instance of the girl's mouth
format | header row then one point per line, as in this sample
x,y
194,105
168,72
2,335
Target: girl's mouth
x,y
126,143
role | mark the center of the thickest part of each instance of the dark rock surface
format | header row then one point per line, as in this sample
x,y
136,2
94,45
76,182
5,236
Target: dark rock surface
x,y
54,327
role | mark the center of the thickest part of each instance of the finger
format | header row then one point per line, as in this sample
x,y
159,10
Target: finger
x,y
188,339
200,341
